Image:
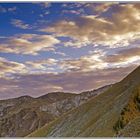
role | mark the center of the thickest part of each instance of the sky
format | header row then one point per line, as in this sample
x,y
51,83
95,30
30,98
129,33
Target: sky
x,y
69,47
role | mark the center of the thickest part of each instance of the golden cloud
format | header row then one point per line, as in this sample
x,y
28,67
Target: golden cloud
x,y
86,63
120,30
45,64
9,67
28,44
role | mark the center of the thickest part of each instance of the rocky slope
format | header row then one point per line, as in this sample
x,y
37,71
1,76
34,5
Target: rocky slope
x,y
21,116
110,114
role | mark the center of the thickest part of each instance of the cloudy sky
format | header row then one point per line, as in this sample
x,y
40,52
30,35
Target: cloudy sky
x,y
70,47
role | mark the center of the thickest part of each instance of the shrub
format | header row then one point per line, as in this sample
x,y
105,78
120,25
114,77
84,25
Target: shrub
x,y
118,125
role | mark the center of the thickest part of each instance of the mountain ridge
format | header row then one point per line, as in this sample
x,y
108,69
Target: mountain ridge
x,y
110,111
98,116
39,110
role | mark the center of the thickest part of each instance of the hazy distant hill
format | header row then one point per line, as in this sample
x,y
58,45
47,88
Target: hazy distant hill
x,y
115,112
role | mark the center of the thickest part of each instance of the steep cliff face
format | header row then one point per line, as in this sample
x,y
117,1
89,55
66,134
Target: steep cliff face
x,y
21,116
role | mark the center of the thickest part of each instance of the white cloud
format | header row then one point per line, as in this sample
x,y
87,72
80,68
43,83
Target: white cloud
x,y
2,9
20,24
12,9
118,31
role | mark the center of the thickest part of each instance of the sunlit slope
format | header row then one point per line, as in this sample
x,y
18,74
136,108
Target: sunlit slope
x,y
97,117
132,129
129,120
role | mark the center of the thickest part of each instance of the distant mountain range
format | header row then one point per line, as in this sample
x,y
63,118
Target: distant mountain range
x,y
110,111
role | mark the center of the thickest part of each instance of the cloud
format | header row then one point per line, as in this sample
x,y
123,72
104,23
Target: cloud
x,y
9,67
102,59
74,12
39,84
20,24
84,63
100,8
104,65
40,66
2,9
118,31
60,53
12,9
124,57
46,4
28,44
11,88
73,5
95,61
103,7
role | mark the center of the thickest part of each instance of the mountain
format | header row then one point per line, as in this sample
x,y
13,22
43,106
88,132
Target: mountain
x,y
110,111
114,113
21,116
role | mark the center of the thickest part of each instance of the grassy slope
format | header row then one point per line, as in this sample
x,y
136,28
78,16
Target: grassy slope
x,y
97,117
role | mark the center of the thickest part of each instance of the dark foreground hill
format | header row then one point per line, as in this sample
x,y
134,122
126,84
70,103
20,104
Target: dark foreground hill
x,y
114,113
